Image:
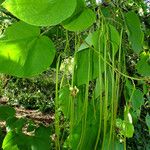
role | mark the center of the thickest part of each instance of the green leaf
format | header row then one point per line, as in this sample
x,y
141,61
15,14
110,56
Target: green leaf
x,y
137,99
87,62
43,132
81,21
41,140
81,4
135,115
1,1
90,132
15,147
79,7
98,88
41,12
129,130
114,144
89,41
148,121
6,112
126,128
65,101
143,66
23,52
15,123
135,33
12,139
114,38
129,90
95,39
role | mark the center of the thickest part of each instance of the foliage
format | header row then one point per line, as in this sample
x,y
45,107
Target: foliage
x,y
97,94
33,93
16,139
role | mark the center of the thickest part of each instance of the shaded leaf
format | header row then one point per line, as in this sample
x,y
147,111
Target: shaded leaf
x,y
6,112
137,99
143,65
148,121
135,33
87,63
129,90
41,140
89,138
1,1
98,88
65,101
15,123
115,144
114,39
81,21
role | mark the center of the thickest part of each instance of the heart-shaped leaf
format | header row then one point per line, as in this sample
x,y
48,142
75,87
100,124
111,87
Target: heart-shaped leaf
x,y
23,52
41,12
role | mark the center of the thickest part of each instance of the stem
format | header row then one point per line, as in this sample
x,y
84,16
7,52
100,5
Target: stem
x,y
105,112
113,97
57,128
100,90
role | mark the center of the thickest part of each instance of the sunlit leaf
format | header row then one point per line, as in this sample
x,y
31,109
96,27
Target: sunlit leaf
x,y
129,130
126,129
12,139
23,52
41,12
15,147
